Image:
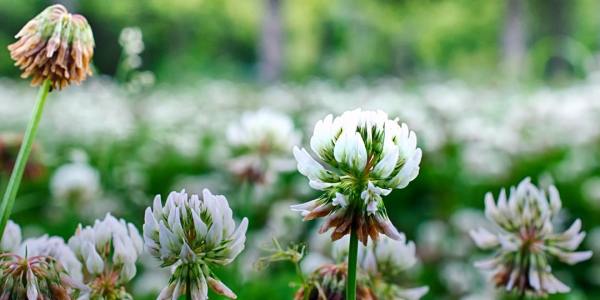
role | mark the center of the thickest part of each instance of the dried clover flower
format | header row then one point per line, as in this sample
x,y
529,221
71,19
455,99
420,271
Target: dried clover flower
x,y
55,45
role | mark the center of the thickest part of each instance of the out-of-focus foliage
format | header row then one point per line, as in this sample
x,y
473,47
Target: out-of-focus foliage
x,y
334,39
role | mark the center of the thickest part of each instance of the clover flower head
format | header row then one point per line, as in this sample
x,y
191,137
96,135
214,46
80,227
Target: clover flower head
x,y
55,45
384,261
390,257
34,277
260,143
75,181
108,251
11,238
193,234
360,157
329,282
57,249
525,240
132,43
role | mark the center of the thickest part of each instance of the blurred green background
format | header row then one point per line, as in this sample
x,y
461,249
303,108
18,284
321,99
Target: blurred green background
x,y
300,40
495,90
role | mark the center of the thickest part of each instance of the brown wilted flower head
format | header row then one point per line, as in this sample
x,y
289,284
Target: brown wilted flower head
x,y
329,283
33,278
55,45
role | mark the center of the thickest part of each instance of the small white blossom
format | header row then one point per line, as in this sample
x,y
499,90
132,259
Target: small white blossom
x,y
193,235
75,181
56,248
361,156
384,261
260,144
108,251
11,238
526,239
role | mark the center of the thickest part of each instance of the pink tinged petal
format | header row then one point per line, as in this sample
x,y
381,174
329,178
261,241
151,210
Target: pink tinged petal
x,y
483,238
150,224
389,229
512,279
572,258
32,288
238,239
220,288
157,208
555,203
571,243
552,285
167,292
306,207
570,239
487,264
178,290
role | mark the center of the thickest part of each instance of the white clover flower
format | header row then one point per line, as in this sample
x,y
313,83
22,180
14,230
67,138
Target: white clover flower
x,y
108,251
131,40
34,278
387,259
56,248
11,238
384,261
329,282
526,240
132,43
390,257
260,143
75,181
361,157
193,235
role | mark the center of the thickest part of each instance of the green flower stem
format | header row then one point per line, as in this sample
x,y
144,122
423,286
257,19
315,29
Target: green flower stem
x,y
352,262
8,200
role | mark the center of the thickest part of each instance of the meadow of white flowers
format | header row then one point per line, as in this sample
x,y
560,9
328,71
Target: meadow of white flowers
x,y
107,149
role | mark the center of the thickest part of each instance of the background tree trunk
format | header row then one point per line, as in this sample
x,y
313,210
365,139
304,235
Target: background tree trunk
x,y
271,42
514,47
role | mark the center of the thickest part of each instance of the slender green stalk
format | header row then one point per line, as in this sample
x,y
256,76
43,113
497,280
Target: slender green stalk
x,y
352,261
8,200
